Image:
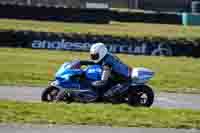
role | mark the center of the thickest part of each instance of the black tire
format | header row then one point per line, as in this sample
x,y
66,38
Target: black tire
x,y
49,94
135,96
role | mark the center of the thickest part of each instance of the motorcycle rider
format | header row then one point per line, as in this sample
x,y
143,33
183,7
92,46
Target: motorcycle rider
x,y
111,65
113,69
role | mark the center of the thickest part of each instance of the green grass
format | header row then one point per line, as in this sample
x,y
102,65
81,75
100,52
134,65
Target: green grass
x,y
115,28
97,114
37,67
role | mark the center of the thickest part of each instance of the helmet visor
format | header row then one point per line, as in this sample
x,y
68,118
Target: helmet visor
x,y
94,56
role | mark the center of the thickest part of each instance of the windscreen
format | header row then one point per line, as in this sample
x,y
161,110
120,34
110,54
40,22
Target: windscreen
x,y
74,65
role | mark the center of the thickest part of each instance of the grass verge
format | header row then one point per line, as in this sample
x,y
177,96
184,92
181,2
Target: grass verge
x,y
37,67
97,114
115,28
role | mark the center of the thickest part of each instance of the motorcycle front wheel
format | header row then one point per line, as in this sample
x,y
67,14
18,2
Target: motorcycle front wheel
x,y
49,94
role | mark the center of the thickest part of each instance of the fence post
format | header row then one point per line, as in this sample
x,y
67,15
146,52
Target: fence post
x,y
136,4
29,2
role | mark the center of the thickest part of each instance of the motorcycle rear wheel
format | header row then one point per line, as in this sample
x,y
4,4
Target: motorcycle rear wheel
x,y
142,96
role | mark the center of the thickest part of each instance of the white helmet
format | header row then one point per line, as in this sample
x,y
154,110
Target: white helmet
x,y
97,52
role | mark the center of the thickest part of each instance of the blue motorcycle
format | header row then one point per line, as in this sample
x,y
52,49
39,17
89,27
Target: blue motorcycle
x,y
74,83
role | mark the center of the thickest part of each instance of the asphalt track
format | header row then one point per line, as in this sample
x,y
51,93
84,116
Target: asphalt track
x,y
162,100
84,129
32,94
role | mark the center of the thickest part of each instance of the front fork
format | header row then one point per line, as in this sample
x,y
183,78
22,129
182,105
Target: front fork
x,y
56,84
